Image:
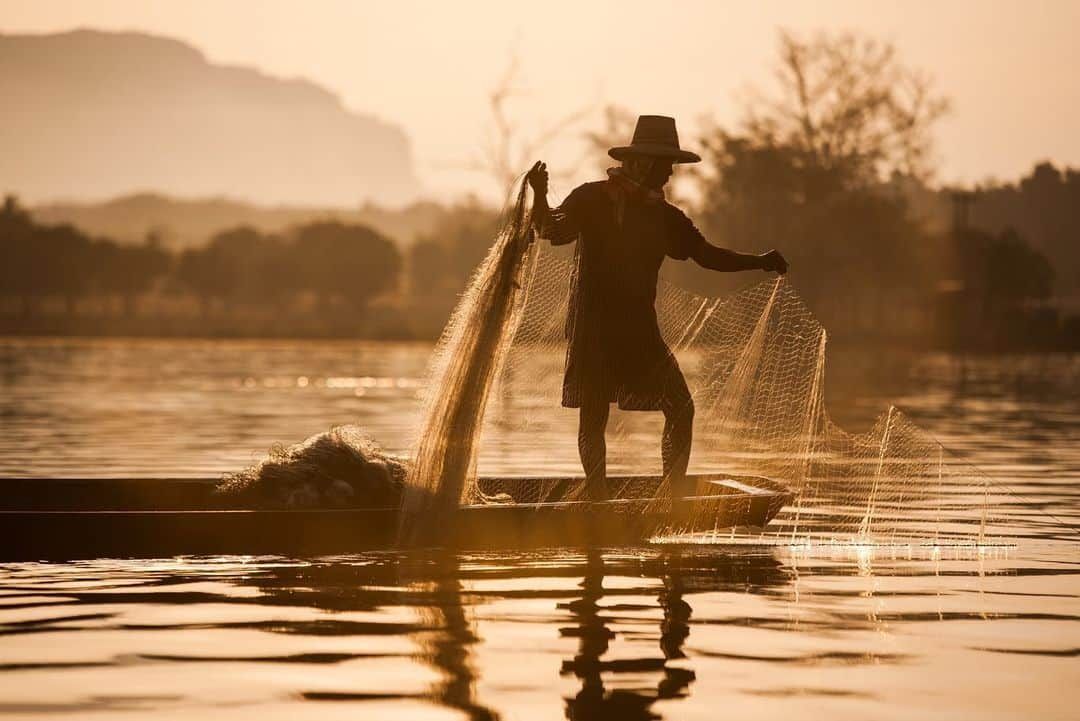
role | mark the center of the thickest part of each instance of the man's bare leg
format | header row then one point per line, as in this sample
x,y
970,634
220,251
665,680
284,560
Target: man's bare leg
x,y
678,436
592,447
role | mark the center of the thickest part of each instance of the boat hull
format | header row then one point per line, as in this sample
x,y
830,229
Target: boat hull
x,y
75,518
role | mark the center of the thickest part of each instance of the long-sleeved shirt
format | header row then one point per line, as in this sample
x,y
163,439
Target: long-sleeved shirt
x,y
615,344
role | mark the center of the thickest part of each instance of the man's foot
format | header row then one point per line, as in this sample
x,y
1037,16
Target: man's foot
x,y
587,492
595,491
681,512
681,507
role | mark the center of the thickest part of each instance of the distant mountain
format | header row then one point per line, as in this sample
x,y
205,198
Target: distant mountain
x,y
90,114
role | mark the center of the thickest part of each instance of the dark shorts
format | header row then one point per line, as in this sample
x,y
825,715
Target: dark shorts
x,y
646,378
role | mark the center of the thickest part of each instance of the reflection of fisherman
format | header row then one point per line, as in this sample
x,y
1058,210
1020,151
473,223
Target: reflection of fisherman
x,y
593,701
625,229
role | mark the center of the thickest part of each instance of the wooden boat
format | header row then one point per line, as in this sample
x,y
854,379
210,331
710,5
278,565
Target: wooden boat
x,y
73,518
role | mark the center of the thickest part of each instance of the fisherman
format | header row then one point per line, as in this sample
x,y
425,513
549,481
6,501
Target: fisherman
x,y
624,230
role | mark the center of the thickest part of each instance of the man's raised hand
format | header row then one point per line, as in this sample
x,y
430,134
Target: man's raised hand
x,y
538,178
773,261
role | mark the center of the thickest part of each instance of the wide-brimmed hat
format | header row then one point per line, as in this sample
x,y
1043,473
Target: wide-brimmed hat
x,y
655,136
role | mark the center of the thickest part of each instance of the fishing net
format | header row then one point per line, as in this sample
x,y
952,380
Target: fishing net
x,y
339,468
468,357
754,361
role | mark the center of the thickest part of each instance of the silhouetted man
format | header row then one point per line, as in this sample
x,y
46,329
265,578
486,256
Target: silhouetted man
x,y
625,229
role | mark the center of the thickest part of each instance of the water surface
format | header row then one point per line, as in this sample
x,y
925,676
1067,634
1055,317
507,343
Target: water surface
x,y
652,632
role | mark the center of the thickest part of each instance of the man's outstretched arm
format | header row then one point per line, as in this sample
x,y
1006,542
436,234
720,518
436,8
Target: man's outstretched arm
x,y
712,257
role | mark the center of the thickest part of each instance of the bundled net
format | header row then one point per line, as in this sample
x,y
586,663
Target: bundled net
x,y
467,359
755,363
339,468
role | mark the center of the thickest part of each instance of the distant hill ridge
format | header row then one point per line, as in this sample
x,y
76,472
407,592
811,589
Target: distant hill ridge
x,y
92,115
186,222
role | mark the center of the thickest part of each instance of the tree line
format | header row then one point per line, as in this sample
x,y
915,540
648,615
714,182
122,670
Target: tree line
x,y
833,165
1044,207
318,277
42,261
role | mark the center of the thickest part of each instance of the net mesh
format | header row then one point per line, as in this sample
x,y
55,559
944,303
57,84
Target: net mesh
x,y
754,361
469,355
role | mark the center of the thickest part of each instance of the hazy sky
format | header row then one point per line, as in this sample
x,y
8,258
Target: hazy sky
x,y
1009,67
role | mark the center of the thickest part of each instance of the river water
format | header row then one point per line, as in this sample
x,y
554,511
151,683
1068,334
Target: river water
x,y
834,632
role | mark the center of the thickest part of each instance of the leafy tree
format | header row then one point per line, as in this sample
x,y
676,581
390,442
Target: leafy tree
x,y
445,259
351,262
270,276
806,172
214,271
1000,269
15,221
130,270
848,102
1042,207
427,267
261,266
16,263
61,263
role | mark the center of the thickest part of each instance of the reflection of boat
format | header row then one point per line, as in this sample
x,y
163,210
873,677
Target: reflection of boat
x,y
80,518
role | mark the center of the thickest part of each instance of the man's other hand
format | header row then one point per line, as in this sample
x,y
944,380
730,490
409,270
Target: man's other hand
x,y
538,178
773,261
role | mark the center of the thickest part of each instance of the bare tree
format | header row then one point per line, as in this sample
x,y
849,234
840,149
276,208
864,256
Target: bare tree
x,y
618,126
510,151
847,99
